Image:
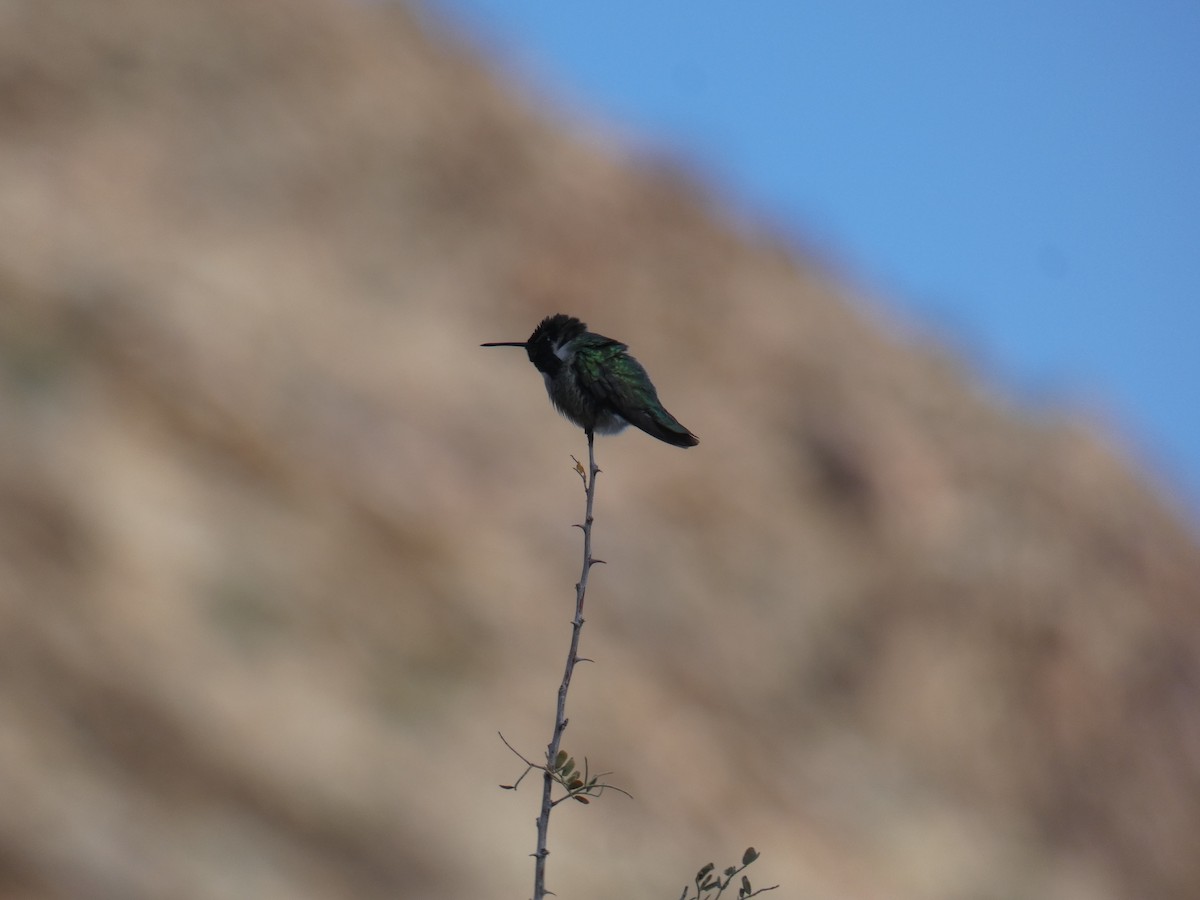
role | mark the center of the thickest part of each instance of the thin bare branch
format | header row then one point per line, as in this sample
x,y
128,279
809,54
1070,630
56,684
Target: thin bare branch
x,y
560,715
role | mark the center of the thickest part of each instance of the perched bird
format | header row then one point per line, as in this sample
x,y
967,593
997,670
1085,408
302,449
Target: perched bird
x,y
597,385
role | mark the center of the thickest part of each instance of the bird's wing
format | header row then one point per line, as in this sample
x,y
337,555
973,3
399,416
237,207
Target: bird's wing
x,y
618,382
614,378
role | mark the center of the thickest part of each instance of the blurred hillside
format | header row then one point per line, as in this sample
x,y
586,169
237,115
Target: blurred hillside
x,y
281,549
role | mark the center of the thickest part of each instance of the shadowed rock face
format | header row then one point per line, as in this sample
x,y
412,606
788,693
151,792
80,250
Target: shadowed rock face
x,y
281,549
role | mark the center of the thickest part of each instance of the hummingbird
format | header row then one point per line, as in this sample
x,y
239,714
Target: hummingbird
x,y
597,385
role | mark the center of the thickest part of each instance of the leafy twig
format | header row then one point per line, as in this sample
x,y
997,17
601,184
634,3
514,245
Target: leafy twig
x,y
706,882
578,785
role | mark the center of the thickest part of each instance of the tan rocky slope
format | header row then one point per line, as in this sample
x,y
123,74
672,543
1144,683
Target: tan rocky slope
x,y
281,549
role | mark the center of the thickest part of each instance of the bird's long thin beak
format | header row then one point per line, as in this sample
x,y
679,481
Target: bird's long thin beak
x,y
504,344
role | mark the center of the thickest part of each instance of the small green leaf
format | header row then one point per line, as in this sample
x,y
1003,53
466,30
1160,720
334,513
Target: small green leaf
x,y
746,885
731,871
560,759
700,875
749,856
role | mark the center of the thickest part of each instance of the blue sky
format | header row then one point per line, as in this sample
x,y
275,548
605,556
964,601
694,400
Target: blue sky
x,y
1021,179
